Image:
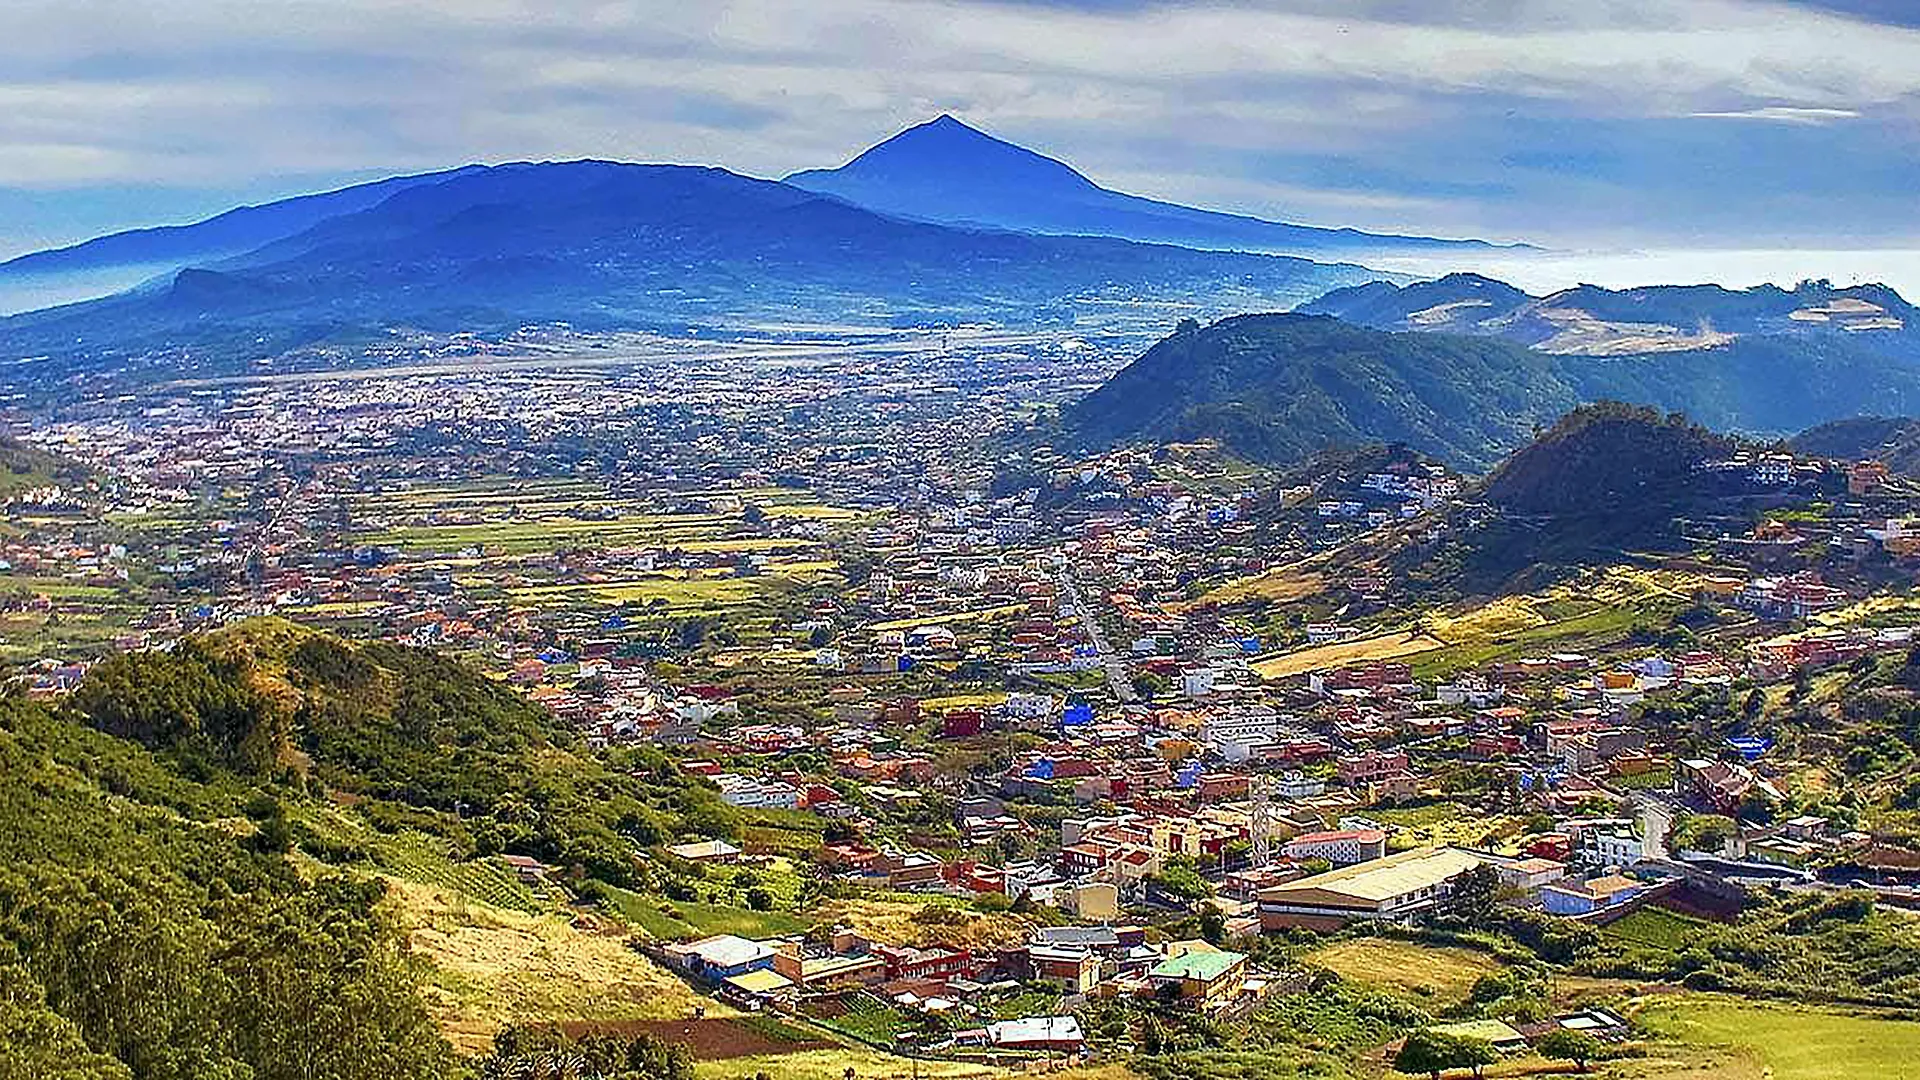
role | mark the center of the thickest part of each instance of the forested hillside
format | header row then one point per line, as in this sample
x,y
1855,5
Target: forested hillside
x,y
166,913
1894,440
1278,388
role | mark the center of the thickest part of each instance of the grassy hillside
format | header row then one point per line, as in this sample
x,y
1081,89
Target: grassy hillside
x,y
256,856
24,467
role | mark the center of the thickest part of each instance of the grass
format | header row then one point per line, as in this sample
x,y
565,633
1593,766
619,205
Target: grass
x,y
1651,780
1002,612
1282,584
1655,928
923,922
488,967
1791,1043
872,1020
1447,823
708,919
652,915
1393,646
673,920
1425,971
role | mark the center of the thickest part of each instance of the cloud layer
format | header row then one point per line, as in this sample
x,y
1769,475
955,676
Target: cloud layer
x,y
1567,121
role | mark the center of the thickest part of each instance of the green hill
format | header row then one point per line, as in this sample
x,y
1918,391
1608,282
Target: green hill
x,y
1607,459
412,738
151,927
24,467
1278,388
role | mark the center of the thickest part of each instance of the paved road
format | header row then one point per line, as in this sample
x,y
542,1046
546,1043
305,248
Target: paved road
x,y
1656,819
1116,669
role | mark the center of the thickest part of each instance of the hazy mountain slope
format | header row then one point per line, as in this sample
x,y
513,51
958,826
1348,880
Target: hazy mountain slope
x,y
946,171
1279,387
1458,302
119,260
1621,322
600,244
1894,440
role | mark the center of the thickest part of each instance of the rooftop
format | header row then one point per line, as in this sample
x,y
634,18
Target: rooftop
x,y
1199,966
1381,879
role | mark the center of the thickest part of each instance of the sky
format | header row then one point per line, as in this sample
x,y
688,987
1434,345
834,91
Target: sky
x,y
1591,123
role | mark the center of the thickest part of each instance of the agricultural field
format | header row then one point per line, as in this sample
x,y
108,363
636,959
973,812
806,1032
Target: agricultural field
x,y
1597,610
1444,974
420,859
873,1065
1745,1039
83,618
509,515
1280,585
1577,616
1394,646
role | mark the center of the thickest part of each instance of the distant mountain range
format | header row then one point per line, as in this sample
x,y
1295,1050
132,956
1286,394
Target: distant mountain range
x,y
946,171
603,245
1604,322
942,172
108,264
1278,388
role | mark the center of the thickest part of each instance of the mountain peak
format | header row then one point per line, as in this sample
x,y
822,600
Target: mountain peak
x,y
945,170
946,153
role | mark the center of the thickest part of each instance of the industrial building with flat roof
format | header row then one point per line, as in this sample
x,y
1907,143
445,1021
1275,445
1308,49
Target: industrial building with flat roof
x,y
1396,887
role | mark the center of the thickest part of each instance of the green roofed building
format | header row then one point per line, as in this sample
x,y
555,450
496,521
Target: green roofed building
x,y
1206,978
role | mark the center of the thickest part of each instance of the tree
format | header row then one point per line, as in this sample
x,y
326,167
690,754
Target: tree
x,y
1425,1051
1434,1052
1477,1054
759,899
1562,1044
1213,925
1474,895
541,1053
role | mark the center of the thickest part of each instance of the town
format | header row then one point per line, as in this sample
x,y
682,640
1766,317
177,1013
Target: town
x,y
1019,738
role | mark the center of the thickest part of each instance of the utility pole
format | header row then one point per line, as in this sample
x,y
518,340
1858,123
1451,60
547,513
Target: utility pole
x,y
1259,823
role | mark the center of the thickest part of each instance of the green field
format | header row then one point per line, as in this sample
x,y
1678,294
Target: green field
x,y
1655,928
1793,1043
674,920
1426,971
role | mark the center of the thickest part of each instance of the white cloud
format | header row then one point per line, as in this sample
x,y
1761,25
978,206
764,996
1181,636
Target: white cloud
x,y
211,91
1782,114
